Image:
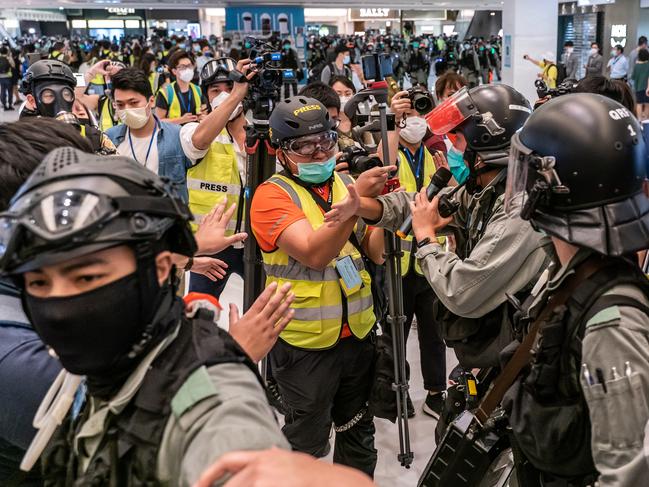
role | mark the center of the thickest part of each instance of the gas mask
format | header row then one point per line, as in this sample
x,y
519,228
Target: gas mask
x,y
52,99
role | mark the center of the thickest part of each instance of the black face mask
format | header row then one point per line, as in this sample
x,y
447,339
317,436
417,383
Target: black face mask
x,y
101,333
63,99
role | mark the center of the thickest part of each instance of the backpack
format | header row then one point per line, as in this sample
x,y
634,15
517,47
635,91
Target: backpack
x,y
5,67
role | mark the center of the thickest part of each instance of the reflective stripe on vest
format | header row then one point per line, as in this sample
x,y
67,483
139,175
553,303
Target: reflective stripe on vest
x,y
174,110
153,81
409,182
106,120
213,180
317,322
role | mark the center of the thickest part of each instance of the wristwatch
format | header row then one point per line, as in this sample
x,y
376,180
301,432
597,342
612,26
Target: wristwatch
x,y
424,242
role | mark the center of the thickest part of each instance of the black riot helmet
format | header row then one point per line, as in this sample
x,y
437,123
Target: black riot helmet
x,y
76,203
487,115
296,117
576,171
52,84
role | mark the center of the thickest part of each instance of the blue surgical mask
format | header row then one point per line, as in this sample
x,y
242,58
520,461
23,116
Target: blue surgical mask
x,y
346,59
316,172
457,165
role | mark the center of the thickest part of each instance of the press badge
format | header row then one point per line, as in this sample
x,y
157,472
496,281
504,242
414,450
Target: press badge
x,y
350,279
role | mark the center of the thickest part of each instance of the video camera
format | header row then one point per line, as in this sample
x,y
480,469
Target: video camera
x,y
566,87
266,87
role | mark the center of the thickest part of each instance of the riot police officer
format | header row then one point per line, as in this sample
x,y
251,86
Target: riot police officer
x,y
49,88
167,390
576,172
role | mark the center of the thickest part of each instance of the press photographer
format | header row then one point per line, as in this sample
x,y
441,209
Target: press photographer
x,y
323,360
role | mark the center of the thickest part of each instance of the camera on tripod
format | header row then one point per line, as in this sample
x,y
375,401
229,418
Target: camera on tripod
x,y
266,87
421,99
566,87
359,160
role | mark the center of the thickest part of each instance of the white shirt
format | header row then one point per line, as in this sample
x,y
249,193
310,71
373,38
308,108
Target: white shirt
x,y
619,67
139,149
186,134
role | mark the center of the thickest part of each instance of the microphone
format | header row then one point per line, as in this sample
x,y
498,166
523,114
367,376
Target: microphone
x,y
440,179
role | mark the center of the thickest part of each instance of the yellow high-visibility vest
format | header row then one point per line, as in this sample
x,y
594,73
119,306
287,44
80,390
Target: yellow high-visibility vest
x,y
173,103
319,302
408,181
106,120
214,179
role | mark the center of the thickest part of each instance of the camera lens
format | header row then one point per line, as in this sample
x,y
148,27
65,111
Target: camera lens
x,y
422,104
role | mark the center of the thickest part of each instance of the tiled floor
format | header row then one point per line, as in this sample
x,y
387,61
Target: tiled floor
x,y
389,473
9,116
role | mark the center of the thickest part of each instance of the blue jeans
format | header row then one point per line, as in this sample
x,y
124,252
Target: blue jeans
x,y
198,283
6,92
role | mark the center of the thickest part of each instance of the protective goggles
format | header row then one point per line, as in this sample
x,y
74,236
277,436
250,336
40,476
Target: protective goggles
x,y
310,144
221,65
523,165
455,110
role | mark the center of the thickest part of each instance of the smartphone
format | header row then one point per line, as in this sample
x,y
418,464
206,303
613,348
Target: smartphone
x,y
81,80
376,66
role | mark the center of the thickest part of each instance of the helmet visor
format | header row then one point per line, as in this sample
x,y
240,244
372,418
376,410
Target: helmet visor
x,y
517,172
224,65
451,113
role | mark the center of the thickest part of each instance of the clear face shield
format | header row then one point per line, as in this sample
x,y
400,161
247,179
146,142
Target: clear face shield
x,y
522,194
451,113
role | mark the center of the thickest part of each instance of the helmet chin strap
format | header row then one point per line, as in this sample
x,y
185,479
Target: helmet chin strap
x,y
472,184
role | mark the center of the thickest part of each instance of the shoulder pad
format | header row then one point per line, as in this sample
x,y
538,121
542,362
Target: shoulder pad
x,y
608,315
197,387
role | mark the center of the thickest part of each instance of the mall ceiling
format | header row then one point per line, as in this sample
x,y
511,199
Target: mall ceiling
x,y
410,4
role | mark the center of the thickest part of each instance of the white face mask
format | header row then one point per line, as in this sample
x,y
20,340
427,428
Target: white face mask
x,y
220,98
343,101
134,118
186,75
414,130
593,51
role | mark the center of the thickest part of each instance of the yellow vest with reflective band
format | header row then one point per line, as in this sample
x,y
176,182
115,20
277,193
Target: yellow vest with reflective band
x,y
318,304
174,109
105,116
408,181
153,81
214,179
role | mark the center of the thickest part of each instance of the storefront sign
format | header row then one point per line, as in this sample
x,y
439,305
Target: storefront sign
x,y
618,35
121,11
358,14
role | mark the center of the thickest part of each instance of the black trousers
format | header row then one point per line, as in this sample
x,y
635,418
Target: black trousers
x,y
321,387
418,300
202,284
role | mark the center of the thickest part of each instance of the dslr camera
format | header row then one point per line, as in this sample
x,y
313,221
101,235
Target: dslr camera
x,y
358,159
421,99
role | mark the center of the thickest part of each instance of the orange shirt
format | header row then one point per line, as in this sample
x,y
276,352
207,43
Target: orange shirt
x,y
273,211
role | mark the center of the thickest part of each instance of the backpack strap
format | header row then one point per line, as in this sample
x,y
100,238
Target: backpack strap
x,y
611,300
170,95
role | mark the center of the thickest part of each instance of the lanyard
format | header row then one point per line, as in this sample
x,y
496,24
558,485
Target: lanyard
x,y
185,108
148,151
416,170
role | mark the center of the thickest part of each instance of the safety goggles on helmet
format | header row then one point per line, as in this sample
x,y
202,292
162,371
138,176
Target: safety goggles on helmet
x,y
66,216
308,145
221,65
455,110
522,194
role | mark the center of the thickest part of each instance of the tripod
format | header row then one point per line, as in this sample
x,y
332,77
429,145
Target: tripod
x,y
395,318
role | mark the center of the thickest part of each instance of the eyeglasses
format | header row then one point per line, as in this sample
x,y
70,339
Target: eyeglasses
x,y
310,144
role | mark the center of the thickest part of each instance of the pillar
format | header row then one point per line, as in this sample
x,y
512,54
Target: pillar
x,y
529,27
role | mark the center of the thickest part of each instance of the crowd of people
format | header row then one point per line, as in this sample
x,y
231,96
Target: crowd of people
x,y
128,174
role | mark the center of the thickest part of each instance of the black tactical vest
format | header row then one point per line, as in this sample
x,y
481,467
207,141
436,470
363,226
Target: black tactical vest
x,y
127,456
547,410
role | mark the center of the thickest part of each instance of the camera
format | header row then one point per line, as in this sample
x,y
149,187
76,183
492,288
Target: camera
x,y
421,99
358,159
265,88
566,87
